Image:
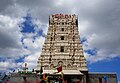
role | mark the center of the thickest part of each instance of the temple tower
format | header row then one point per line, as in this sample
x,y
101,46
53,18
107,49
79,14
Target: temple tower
x,y
62,45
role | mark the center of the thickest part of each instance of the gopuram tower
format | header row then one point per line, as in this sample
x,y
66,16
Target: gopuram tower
x,y
62,46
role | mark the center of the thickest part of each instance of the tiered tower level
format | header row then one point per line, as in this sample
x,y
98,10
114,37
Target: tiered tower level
x,y
62,44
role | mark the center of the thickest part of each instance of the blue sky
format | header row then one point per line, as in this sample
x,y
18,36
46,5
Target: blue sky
x,y
106,66
24,24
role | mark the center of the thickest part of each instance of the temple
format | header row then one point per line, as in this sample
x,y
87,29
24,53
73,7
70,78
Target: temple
x,y
62,49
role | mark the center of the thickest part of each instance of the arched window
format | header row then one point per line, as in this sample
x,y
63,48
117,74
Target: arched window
x,y
60,63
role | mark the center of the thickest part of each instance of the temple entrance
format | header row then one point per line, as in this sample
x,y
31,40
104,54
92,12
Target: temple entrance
x,y
66,79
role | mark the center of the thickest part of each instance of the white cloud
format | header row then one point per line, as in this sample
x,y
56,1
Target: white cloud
x,y
35,49
84,27
33,46
31,60
106,49
15,11
10,64
41,26
10,43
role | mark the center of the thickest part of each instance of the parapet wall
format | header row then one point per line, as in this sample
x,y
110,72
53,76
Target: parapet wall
x,y
102,77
